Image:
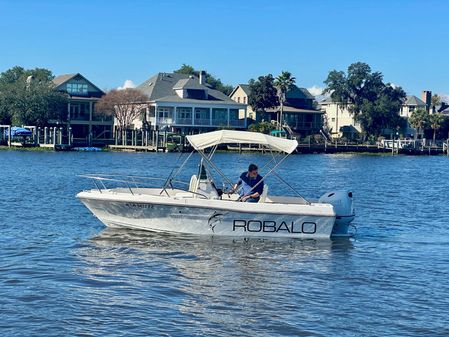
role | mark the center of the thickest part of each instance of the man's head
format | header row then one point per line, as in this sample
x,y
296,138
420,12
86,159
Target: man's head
x,y
253,170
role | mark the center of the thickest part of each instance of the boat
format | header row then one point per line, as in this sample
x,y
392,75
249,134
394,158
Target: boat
x,y
200,207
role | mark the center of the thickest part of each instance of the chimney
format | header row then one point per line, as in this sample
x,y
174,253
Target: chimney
x,y
426,97
202,77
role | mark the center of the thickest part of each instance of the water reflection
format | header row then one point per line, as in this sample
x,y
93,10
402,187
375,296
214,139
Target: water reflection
x,y
223,281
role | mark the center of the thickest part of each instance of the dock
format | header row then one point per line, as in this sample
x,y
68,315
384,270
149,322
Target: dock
x,y
137,148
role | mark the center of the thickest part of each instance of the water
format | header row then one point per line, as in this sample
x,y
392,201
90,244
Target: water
x,y
63,274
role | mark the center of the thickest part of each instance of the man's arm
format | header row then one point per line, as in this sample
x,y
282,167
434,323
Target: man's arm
x,y
236,185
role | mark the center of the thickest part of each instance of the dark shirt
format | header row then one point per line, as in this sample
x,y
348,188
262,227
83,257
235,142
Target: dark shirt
x,y
251,182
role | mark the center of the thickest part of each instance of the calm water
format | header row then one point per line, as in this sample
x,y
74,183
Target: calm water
x,y
63,274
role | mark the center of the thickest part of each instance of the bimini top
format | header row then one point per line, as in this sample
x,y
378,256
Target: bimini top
x,y
208,139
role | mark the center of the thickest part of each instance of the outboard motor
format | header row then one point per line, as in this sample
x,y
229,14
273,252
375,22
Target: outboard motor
x,y
344,210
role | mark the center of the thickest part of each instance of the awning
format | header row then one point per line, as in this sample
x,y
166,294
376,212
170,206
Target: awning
x,y
208,139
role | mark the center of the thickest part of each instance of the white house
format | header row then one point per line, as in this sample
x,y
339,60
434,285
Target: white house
x,y
180,102
340,122
411,104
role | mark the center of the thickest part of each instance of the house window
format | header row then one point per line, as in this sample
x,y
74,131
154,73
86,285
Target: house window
x,y
238,99
184,113
163,112
202,113
244,100
233,114
220,115
411,108
333,119
76,88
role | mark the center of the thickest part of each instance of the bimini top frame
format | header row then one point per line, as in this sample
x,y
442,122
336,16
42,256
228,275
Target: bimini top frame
x,y
214,138
203,141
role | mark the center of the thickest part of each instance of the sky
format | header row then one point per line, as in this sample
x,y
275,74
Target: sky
x,y
122,43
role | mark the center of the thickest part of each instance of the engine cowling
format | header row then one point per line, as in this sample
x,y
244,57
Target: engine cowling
x,y
343,207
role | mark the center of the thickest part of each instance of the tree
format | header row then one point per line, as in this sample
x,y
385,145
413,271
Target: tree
x,y
283,83
419,119
263,94
28,97
262,127
435,122
186,70
372,102
434,102
214,83
124,105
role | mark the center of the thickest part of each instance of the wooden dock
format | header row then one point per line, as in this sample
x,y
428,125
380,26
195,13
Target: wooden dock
x,y
137,148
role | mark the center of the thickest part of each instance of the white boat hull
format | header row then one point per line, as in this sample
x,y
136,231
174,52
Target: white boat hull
x,y
210,217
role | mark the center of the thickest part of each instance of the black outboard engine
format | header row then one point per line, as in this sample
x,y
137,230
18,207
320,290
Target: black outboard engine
x,y
344,210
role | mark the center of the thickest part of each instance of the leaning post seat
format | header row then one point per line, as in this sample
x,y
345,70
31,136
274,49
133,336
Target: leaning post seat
x,y
264,194
193,185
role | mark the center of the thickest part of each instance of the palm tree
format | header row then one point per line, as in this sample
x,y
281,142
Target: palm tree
x,y
283,83
419,119
435,121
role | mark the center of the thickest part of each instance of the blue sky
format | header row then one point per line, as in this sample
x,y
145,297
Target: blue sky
x,y
113,41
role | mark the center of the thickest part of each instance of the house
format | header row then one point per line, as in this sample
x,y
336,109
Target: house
x,y
87,127
240,94
299,109
339,121
185,103
411,104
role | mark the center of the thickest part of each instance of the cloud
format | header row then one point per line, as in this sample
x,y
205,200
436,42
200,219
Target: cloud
x,y
444,97
127,85
316,90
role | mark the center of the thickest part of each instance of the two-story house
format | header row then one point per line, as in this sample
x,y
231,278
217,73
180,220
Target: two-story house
x,y
299,109
87,127
185,103
342,123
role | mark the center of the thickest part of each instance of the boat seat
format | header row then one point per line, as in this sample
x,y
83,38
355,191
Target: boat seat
x,y
184,195
264,194
193,186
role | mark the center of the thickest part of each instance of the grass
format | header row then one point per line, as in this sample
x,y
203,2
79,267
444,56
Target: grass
x,y
29,149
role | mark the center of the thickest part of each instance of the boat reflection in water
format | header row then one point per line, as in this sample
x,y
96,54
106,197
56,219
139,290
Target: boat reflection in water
x,y
210,276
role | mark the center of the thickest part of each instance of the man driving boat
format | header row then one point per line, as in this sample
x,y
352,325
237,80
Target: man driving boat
x,y
249,192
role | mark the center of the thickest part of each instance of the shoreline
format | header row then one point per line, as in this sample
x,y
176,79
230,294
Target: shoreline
x,y
362,150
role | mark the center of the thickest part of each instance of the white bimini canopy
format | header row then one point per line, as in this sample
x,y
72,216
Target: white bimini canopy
x,y
204,140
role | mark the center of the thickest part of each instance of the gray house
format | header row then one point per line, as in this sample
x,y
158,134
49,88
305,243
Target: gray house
x,y
185,103
87,127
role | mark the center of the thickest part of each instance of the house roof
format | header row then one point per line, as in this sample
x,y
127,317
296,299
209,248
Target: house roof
x,y
297,92
61,79
245,87
291,109
161,87
413,100
189,83
326,100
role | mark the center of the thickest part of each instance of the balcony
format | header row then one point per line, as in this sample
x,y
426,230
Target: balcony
x,y
184,121
237,123
165,120
202,121
79,117
220,122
